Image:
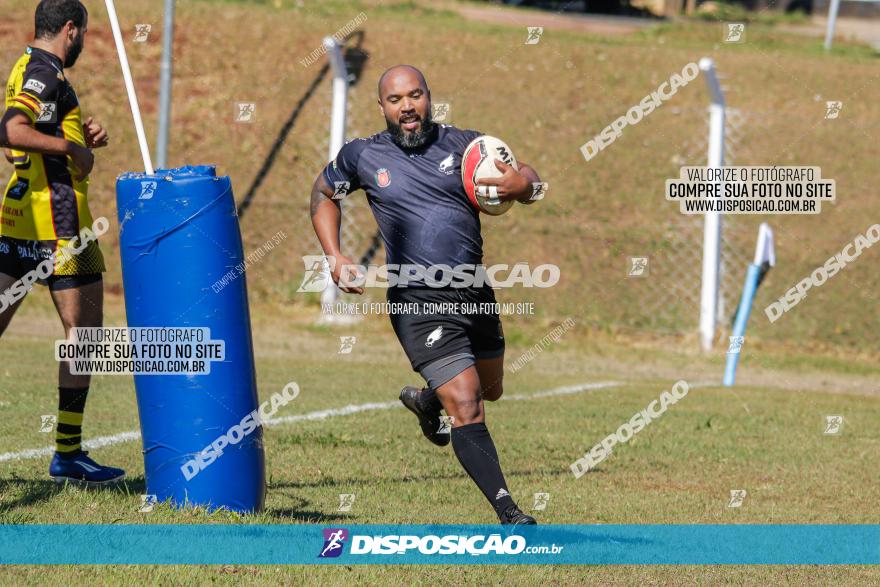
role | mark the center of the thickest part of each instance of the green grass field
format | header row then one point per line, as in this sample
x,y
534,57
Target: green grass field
x,y
545,100
765,436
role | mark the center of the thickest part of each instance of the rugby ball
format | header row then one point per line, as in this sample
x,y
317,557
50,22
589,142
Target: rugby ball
x,y
478,162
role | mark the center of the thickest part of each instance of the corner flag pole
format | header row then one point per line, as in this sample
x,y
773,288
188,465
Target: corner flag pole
x,y
129,86
765,258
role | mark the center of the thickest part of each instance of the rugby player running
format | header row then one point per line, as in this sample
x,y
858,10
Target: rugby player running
x,y
45,206
411,174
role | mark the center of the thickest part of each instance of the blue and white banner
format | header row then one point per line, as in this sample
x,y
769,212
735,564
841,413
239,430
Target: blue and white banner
x,y
446,544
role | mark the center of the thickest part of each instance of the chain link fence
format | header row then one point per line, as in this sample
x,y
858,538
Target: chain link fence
x,y
676,261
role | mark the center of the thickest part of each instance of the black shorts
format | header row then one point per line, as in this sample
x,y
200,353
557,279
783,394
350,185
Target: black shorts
x,y
19,257
444,331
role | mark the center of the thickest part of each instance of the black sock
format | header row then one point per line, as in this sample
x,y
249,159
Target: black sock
x,y
476,452
68,430
429,398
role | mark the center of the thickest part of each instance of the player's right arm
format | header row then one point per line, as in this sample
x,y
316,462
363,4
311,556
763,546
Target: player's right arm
x,y
327,213
17,128
326,219
17,132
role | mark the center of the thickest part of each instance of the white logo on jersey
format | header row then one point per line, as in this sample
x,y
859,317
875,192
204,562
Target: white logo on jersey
x,y
446,165
434,336
34,85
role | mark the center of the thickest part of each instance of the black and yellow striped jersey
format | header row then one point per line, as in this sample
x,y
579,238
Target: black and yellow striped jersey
x,y
43,201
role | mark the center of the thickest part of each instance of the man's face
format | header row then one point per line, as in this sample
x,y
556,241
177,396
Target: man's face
x,y
406,104
76,39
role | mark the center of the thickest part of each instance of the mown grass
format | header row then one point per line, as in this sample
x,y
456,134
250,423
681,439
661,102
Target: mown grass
x,y
545,100
767,439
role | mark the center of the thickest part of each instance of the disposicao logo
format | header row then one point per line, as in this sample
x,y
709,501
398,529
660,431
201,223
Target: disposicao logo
x,y
334,540
409,544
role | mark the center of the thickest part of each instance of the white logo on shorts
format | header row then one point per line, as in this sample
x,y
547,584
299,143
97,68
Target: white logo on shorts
x,y
434,336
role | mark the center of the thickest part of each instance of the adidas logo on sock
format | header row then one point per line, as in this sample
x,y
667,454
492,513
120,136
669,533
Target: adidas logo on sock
x,y
501,493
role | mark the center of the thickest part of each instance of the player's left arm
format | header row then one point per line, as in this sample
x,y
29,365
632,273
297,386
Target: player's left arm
x,y
514,185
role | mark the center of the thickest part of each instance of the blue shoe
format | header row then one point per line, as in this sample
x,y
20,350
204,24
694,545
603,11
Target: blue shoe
x,y
79,469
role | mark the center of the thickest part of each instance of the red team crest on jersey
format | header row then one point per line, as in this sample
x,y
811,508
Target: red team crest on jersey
x,y
383,178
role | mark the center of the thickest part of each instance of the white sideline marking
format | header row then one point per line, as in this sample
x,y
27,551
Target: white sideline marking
x,y
333,412
103,441
99,442
568,390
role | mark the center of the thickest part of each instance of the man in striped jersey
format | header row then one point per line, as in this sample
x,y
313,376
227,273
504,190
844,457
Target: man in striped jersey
x,y
45,209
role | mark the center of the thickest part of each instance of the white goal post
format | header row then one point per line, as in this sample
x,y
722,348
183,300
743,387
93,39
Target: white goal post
x,y
712,220
337,139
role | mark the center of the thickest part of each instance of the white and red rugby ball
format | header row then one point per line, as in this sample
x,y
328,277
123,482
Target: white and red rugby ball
x,y
478,162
